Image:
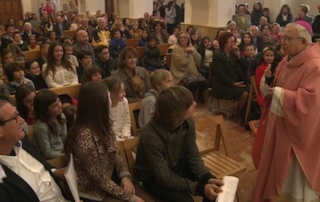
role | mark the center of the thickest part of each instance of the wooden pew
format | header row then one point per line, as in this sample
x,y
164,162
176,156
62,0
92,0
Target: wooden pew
x,y
135,106
69,33
31,55
132,42
72,90
139,50
163,48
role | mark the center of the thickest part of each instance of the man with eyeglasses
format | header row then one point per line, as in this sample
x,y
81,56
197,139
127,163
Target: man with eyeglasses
x,y
287,140
25,175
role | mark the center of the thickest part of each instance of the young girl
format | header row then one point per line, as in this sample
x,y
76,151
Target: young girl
x,y
91,73
195,39
58,70
52,36
151,55
206,50
97,161
116,44
32,44
7,59
135,31
266,60
173,39
246,38
19,42
33,72
119,111
24,101
50,129
144,37
15,75
69,54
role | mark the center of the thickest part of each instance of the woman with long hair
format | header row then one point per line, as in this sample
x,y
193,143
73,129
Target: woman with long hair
x,y
24,100
285,16
58,70
97,161
50,129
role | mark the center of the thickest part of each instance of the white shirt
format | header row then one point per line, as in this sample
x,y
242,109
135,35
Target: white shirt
x,y
62,77
34,173
121,120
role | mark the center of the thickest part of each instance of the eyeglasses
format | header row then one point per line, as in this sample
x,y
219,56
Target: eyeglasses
x,y
15,117
286,38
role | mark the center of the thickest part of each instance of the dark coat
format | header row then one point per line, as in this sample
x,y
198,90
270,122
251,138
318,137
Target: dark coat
x,y
106,68
316,28
283,23
14,188
57,30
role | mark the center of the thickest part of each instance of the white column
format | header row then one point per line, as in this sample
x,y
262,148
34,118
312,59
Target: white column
x,y
211,13
134,9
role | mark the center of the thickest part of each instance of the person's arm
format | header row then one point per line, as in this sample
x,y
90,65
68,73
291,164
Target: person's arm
x,y
180,58
126,125
90,161
42,134
74,76
113,50
146,112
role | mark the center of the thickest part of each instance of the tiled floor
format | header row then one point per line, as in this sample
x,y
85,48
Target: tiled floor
x,y
240,147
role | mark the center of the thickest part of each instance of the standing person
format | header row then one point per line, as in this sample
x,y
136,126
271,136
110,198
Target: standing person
x,y
256,13
303,14
285,16
316,26
178,8
170,17
288,133
97,161
168,160
48,8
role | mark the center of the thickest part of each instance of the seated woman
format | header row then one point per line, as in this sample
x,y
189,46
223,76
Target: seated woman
x,y
33,72
15,75
24,101
144,37
91,73
183,68
119,110
135,78
97,161
151,55
135,31
158,33
58,70
229,82
168,161
50,129
246,38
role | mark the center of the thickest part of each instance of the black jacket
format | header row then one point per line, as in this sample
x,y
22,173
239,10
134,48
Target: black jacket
x,y
106,68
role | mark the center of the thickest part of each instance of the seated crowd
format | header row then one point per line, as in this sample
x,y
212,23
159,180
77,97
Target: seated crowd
x,y
89,126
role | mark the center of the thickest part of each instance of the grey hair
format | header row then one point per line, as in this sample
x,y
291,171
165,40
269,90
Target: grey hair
x,y
101,18
27,23
302,32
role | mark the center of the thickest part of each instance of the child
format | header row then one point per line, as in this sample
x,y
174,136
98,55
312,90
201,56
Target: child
x,y
206,50
7,59
85,60
92,73
117,43
246,38
24,101
52,36
247,59
15,75
159,79
50,129
151,55
18,41
119,111
135,31
144,37
34,74
173,39
69,50
266,60
32,43
16,52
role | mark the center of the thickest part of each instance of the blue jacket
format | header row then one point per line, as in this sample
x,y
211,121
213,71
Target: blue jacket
x,y
116,46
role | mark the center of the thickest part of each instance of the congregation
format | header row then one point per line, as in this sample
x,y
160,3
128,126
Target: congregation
x,y
116,62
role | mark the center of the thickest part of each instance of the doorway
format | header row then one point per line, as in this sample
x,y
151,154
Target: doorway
x,y
10,9
109,9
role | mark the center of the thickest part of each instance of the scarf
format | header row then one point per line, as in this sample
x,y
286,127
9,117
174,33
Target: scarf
x,y
136,82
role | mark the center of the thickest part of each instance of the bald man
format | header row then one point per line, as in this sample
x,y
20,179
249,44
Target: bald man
x,y
83,43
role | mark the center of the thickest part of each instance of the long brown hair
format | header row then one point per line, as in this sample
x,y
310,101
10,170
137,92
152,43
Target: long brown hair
x,y
126,51
92,114
171,106
65,63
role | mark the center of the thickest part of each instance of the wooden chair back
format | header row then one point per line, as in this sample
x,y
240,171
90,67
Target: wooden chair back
x,y
72,90
122,153
132,42
134,108
253,92
59,162
168,60
31,55
129,146
69,33
220,132
163,48
139,50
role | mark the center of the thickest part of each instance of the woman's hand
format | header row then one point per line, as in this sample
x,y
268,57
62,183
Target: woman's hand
x,y
138,199
127,185
240,84
189,49
236,51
